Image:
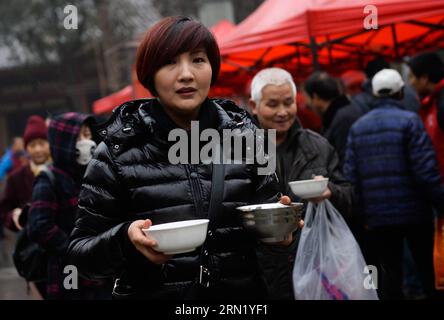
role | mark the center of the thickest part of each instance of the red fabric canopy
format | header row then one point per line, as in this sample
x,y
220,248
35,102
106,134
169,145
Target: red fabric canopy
x,y
222,29
266,18
279,29
278,22
108,103
287,33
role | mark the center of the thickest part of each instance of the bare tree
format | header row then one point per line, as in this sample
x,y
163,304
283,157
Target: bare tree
x,y
34,33
177,7
191,7
119,23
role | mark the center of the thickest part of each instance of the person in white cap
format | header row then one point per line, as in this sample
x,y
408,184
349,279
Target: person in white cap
x,y
386,83
391,161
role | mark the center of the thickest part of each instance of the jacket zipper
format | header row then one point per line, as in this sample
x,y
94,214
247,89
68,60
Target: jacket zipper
x,y
195,186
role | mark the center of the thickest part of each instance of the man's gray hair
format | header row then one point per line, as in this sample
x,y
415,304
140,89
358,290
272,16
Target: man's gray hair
x,y
273,76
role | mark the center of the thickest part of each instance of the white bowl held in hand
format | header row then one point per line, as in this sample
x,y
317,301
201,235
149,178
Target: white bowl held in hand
x,y
306,189
178,237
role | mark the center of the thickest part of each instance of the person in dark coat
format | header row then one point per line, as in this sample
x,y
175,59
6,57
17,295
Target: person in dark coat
x,y
131,183
365,100
322,93
301,154
53,209
427,77
391,161
19,184
18,191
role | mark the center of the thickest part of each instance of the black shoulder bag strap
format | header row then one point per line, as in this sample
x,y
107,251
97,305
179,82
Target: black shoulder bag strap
x,y
215,209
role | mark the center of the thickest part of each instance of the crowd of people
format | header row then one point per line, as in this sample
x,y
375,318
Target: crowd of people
x,y
92,187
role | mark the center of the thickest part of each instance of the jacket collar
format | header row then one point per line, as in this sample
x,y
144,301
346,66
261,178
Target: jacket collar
x,y
388,103
294,131
295,141
155,119
138,118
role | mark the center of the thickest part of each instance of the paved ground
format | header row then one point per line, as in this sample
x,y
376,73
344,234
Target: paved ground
x,y
12,286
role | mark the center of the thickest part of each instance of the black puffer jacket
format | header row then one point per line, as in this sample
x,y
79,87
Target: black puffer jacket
x,y
130,178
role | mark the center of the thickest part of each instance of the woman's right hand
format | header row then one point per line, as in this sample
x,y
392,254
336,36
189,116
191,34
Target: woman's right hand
x,y
145,244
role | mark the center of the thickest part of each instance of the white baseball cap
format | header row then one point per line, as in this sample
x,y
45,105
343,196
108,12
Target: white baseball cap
x,y
387,79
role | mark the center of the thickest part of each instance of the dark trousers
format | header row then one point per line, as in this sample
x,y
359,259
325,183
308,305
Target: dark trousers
x,y
387,246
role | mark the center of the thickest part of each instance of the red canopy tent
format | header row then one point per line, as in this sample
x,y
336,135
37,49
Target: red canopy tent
x,y
222,29
302,35
108,103
330,33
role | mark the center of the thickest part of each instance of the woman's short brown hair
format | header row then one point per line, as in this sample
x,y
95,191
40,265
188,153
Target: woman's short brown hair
x,y
168,38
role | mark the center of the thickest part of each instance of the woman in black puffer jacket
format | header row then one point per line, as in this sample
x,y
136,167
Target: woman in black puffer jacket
x,y
131,184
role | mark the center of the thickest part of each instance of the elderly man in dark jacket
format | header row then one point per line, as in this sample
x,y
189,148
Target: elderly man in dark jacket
x,y
301,154
391,161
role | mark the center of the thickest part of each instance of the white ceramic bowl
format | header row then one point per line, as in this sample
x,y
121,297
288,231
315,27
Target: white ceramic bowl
x,y
306,189
178,237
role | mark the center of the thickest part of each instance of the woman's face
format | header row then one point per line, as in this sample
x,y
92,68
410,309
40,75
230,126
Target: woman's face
x,y
419,84
183,84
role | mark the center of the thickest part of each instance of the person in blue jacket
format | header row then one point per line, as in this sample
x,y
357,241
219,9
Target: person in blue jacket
x,y
391,161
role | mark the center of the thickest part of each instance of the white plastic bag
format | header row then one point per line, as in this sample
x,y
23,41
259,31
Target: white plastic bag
x,y
329,264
